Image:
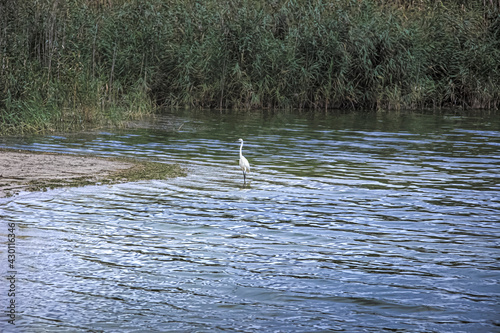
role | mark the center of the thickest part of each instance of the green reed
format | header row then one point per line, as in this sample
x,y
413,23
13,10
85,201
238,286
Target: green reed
x,y
74,64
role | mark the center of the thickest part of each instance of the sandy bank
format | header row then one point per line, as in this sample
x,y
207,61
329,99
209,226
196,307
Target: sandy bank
x,y
32,171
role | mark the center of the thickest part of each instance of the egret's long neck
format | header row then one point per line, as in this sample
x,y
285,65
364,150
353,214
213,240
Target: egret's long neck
x,y
241,147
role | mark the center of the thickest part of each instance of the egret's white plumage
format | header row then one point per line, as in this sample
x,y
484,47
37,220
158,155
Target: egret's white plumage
x,y
244,165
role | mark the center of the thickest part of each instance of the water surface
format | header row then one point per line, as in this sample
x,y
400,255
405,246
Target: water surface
x,y
355,222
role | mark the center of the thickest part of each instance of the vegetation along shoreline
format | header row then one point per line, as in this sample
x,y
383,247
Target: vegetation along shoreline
x,y
71,65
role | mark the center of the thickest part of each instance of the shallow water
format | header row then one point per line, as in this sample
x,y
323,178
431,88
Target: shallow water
x,y
355,222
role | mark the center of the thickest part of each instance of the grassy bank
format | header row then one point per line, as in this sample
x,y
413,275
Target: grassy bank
x,y
72,64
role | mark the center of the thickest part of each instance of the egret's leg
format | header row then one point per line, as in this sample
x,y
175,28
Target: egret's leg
x,y
244,178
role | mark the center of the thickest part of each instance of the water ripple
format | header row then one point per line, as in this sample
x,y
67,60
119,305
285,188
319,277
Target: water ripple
x,y
353,229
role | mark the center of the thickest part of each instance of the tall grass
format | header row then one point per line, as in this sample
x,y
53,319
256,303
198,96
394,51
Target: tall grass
x,y
72,64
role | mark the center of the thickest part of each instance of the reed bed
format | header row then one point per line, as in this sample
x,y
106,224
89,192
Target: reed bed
x,y
68,65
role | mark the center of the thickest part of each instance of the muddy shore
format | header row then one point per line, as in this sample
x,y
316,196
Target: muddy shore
x,y
34,171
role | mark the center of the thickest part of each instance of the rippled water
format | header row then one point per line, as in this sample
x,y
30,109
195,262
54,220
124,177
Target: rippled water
x,y
355,222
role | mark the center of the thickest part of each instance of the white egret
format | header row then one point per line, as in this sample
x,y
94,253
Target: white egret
x,y
244,165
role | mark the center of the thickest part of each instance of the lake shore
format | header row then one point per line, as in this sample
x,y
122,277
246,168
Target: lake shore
x,y
58,76
22,170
